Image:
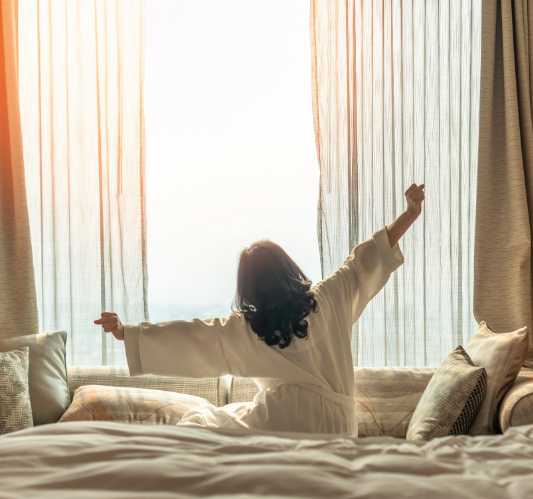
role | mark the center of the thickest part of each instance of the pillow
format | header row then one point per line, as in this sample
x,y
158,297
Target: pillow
x,y
502,355
47,373
129,405
452,399
386,398
15,407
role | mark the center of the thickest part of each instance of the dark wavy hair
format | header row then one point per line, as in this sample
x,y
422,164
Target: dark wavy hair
x,y
273,294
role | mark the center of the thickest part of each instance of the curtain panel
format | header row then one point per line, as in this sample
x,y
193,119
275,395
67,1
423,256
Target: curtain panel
x,y
81,65
18,305
502,265
396,101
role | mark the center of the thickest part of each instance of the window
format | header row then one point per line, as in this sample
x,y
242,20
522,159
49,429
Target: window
x,y
231,155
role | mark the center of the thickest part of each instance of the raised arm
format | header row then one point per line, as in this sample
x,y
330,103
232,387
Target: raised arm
x,y
369,266
414,197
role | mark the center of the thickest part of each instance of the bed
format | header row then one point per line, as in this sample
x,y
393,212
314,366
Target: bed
x,y
111,460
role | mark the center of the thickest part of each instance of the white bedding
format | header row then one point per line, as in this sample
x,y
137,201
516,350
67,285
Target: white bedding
x,y
113,460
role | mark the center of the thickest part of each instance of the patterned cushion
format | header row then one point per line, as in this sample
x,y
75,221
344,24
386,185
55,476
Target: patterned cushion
x,y
502,355
15,407
212,389
451,400
386,398
129,405
517,406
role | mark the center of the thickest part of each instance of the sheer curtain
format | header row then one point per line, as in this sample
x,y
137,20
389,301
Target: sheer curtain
x,y
81,66
396,101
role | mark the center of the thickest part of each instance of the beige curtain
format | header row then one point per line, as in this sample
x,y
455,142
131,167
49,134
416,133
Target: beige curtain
x,y
81,100
18,306
395,101
502,275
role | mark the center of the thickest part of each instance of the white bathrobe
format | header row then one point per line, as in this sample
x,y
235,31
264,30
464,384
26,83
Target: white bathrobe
x,y
306,387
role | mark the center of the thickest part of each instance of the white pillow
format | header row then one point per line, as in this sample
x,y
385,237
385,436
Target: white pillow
x,y
502,355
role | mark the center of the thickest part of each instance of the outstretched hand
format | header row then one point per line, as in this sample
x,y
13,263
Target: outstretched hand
x,y
414,196
110,322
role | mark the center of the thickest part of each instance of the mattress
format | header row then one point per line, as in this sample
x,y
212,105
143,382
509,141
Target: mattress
x,y
112,460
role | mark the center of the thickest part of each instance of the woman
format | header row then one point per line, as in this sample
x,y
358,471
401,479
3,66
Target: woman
x,y
293,340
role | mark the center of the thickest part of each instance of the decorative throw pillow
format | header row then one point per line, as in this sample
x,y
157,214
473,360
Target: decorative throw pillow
x,y
15,407
502,355
129,405
386,398
452,399
47,373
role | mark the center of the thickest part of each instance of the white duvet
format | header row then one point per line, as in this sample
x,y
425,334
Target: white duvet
x,y
113,460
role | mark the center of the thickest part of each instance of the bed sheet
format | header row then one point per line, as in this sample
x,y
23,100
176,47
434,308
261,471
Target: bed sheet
x,y
116,461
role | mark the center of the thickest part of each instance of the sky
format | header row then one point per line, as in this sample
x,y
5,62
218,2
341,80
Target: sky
x,y
231,155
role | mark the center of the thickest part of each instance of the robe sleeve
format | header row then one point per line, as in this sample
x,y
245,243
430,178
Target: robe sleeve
x,y
191,349
362,276
206,349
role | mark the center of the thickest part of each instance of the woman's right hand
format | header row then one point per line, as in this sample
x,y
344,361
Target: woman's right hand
x,y
110,322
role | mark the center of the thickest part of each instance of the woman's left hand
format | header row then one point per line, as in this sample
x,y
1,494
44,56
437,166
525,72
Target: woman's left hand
x,y
414,196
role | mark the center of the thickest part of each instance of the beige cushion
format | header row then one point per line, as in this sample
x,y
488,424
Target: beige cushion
x,y
212,389
129,405
517,406
451,400
15,407
386,398
502,355
47,373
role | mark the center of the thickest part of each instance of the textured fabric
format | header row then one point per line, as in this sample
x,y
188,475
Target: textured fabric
x,y
81,67
47,373
517,406
395,101
470,410
288,378
18,305
502,355
241,390
15,407
129,405
123,461
212,389
504,210
451,400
